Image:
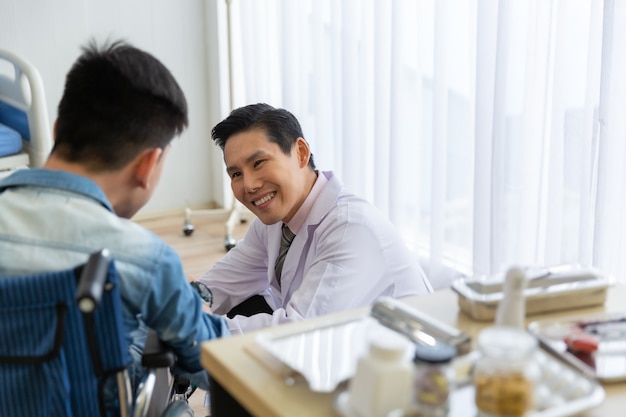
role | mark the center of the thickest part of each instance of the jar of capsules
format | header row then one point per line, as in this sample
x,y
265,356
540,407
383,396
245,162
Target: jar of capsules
x,y
433,378
506,373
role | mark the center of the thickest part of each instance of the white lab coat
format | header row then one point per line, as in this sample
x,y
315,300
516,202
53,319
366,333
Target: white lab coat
x,y
345,255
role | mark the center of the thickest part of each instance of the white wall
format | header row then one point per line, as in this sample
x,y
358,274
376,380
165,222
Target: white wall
x,y
182,34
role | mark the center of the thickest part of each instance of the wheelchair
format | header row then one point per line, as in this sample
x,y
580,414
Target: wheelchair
x,y
64,349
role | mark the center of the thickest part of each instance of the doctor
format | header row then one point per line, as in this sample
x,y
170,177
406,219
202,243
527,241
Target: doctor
x,y
345,253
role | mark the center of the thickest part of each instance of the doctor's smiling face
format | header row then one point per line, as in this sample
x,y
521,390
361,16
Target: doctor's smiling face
x,y
271,184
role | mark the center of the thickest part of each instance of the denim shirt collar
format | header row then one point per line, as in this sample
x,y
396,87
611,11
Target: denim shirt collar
x,y
56,179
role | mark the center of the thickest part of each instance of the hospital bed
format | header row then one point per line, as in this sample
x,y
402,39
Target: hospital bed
x,y
25,137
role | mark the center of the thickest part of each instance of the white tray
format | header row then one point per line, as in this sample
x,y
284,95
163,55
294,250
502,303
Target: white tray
x,y
562,392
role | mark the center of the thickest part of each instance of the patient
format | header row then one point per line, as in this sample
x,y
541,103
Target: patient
x,y
344,255
119,112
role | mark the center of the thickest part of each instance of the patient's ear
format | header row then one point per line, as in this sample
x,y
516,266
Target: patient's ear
x,y
145,164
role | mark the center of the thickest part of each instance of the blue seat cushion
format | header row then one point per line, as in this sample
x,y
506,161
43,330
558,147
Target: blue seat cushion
x,y
10,141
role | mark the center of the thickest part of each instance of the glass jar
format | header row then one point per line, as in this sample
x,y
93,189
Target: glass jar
x,y
433,378
506,373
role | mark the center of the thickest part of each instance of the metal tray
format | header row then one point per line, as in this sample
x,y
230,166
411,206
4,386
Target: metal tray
x,y
608,362
326,356
561,287
418,326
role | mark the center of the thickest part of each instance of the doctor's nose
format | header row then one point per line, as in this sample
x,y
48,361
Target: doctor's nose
x,y
251,183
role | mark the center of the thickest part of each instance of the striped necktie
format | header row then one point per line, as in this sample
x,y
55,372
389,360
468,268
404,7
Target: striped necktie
x,y
285,242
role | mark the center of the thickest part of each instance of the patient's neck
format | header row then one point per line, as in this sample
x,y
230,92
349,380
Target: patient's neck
x,y
117,185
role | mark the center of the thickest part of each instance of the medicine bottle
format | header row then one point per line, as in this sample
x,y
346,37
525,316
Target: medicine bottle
x,y
382,381
506,373
433,378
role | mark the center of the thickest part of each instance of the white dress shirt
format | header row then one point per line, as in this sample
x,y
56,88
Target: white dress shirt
x,y
346,254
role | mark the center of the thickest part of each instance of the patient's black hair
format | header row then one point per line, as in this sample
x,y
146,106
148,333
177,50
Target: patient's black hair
x,y
280,126
118,101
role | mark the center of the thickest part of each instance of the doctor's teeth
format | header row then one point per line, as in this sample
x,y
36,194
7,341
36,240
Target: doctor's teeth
x,y
264,199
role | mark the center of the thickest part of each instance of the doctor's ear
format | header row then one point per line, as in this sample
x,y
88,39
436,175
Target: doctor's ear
x,y
303,152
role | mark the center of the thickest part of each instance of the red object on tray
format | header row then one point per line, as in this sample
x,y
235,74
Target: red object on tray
x,y
581,342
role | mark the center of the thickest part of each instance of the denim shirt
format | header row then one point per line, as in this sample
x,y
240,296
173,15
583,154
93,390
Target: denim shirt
x,y
52,220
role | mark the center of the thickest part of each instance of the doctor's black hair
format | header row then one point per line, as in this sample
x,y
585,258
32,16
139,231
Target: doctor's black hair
x,y
280,126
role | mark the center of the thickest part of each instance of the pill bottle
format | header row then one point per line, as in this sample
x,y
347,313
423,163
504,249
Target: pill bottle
x,y
383,378
506,373
433,380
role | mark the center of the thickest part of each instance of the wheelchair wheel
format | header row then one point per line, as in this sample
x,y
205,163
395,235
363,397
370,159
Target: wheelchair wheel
x,y
178,408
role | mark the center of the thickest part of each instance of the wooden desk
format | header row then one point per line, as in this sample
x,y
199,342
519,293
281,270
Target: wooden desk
x,y
264,394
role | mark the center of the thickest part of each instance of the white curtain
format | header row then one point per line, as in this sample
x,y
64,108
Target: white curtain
x,y
491,132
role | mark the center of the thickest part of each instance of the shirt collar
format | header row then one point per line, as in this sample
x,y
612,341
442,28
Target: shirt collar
x,y
56,179
303,212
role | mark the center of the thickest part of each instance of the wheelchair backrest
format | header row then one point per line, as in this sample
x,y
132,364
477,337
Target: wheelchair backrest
x,y
54,358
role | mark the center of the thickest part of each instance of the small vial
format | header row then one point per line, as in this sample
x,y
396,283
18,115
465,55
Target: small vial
x,y
433,379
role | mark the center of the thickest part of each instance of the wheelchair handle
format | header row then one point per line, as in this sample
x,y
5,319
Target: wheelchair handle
x,y
92,279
